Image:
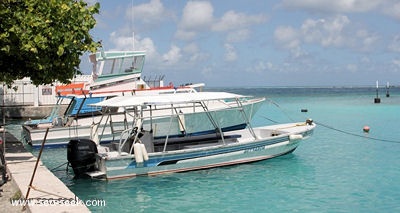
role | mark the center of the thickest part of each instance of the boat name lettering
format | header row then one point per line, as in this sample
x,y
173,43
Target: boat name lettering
x,y
255,149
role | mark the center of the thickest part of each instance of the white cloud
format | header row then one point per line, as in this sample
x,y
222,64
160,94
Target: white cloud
x,y
230,53
387,7
208,70
325,32
287,36
365,59
172,56
392,9
336,31
321,36
152,12
352,67
333,6
194,53
197,15
366,39
260,67
185,35
298,52
147,44
395,44
238,35
191,48
126,43
232,20
121,42
396,62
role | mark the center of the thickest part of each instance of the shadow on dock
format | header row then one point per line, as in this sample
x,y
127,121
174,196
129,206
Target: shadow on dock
x,y
45,185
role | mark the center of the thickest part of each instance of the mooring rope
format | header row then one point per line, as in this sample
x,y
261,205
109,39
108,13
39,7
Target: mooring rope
x,y
273,121
54,169
354,134
330,127
279,107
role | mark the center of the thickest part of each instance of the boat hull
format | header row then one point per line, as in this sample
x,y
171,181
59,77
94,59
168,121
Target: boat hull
x,y
58,137
197,158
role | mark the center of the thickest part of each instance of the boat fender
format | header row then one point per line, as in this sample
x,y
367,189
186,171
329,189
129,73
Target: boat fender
x,y
144,152
181,122
138,153
295,137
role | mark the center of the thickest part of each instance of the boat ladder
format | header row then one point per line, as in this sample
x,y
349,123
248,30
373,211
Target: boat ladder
x,y
117,127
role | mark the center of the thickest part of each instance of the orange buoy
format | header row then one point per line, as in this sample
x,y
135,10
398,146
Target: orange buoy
x,y
366,129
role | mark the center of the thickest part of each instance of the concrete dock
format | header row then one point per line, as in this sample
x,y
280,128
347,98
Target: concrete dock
x,y
47,194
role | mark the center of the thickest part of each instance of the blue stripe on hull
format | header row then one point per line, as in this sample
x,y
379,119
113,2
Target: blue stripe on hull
x,y
201,167
220,157
185,156
231,163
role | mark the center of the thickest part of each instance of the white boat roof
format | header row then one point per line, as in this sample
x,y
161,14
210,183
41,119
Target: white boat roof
x,y
166,99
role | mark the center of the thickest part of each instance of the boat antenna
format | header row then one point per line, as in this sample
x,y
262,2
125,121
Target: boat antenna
x,y
133,31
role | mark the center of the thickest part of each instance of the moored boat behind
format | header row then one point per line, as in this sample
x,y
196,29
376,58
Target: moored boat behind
x,y
115,73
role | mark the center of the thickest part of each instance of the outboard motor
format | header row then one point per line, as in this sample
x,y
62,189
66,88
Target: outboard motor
x,y
81,154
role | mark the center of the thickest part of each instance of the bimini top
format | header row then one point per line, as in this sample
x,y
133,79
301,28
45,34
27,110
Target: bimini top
x,y
166,99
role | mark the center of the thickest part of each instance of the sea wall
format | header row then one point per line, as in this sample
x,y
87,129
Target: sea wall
x,y
28,112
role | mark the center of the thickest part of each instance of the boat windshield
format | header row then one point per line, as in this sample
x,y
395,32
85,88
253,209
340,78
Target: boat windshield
x,y
123,65
80,106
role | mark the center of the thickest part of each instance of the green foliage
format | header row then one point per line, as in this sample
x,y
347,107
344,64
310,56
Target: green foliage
x,y
43,40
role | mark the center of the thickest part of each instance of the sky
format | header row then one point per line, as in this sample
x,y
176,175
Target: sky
x,y
253,43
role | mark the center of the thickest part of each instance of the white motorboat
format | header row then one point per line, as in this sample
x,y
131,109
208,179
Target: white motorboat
x,y
138,152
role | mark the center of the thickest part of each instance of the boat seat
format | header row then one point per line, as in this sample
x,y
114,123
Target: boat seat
x,y
194,139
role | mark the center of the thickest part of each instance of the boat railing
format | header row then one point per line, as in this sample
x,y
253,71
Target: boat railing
x,y
125,135
246,118
174,111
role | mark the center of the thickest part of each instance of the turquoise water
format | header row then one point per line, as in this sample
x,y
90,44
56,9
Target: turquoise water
x,y
337,170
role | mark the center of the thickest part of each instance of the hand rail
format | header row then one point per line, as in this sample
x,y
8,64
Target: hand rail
x,y
128,132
